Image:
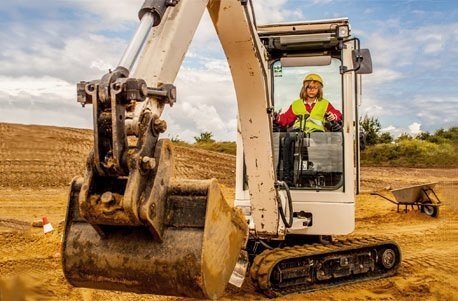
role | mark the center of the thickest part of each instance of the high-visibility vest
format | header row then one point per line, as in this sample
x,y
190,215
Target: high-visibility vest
x,y
313,121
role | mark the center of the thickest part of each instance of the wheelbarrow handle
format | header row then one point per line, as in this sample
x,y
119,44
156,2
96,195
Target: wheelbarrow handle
x,y
382,196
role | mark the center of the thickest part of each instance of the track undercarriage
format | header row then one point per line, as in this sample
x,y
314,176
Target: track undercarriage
x,y
281,271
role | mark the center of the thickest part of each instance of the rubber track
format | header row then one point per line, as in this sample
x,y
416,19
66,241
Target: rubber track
x,y
266,261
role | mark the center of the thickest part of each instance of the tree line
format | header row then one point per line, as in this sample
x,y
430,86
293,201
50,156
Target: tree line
x,y
438,149
374,135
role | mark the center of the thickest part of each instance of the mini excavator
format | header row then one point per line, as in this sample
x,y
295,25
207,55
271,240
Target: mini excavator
x,y
132,226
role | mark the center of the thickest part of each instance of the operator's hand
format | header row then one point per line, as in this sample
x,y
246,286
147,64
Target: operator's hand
x,y
331,116
276,116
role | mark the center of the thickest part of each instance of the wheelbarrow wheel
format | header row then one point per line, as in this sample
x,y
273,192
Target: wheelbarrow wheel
x,y
432,211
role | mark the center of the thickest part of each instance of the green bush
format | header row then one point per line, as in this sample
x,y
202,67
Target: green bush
x,y
371,127
221,147
385,138
205,137
425,150
441,136
225,147
411,153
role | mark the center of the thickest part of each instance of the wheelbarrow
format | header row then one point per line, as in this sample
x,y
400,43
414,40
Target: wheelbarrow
x,y
420,196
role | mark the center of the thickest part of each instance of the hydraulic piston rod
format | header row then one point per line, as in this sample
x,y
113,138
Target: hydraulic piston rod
x,y
136,44
150,15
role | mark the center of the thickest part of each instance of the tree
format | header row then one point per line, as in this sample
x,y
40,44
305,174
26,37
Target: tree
x,y
450,134
403,137
371,127
205,137
423,136
385,138
176,139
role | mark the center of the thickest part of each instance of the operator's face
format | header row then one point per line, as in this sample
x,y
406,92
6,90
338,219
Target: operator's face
x,y
312,89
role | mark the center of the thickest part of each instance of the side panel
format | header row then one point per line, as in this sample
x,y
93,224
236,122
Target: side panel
x,y
328,218
241,44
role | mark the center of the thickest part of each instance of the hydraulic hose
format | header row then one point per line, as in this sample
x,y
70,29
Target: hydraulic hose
x,y
288,223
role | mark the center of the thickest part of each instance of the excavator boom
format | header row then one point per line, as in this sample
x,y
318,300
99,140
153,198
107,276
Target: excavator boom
x,y
130,224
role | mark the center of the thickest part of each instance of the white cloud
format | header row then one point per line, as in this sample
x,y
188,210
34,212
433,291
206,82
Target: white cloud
x,y
42,59
419,12
321,1
406,61
419,112
389,128
390,49
111,10
101,65
398,46
433,47
372,110
435,111
219,66
381,76
415,128
77,118
96,51
73,58
395,132
432,42
206,102
36,87
189,120
205,117
205,33
273,11
46,101
40,75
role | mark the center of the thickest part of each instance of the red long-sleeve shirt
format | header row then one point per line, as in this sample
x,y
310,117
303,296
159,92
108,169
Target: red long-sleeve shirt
x,y
288,118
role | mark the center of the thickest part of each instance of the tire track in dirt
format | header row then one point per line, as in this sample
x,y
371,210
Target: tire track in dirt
x,y
40,156
27,264
414,261
14,224
191,163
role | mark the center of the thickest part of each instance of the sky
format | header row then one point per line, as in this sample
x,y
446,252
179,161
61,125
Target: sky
x,y
48,46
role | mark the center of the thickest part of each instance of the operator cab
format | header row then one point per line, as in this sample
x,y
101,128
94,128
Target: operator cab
x,y
303,158
319,167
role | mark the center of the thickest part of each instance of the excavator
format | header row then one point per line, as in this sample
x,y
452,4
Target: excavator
x,y
132,226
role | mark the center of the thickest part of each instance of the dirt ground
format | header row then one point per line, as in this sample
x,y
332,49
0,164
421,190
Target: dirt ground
x,y
37,163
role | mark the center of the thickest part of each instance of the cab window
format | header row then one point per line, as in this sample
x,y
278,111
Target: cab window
x,y
308,152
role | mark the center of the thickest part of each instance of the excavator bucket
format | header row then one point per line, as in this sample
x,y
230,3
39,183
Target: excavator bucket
x,y
200,245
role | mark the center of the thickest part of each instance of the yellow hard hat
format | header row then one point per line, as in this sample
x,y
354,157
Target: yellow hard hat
x,y
314,77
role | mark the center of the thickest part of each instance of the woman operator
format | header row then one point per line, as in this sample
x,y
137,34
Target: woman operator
x,y
311,111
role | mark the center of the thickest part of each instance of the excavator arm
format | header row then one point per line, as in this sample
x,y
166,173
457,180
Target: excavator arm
x,y
247,61
162,57
130,224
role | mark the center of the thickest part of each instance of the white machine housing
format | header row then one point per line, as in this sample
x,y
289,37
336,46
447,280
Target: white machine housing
x,y
328,212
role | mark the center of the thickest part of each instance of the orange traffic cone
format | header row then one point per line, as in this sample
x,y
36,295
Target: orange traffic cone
x,y
47,227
